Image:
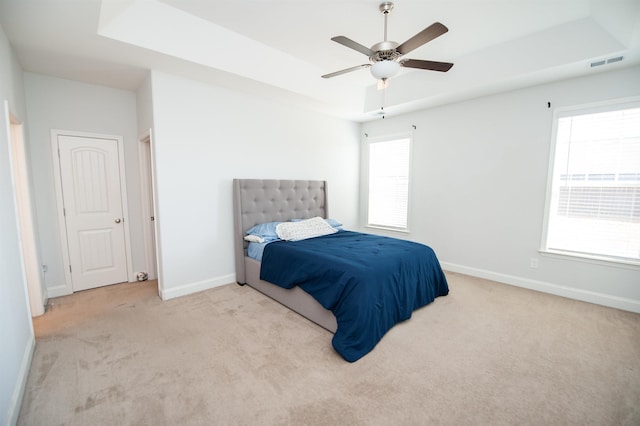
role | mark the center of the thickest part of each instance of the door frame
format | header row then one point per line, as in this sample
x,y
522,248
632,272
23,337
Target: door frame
x,y
30,255
147,195
62,226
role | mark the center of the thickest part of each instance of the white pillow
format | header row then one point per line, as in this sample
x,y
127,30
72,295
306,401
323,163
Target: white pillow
x,y
309,228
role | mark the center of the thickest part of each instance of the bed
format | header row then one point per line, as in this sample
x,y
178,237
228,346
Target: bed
x,y
357,325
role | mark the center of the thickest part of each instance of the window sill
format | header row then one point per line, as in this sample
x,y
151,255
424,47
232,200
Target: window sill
x,y
384,228
596,260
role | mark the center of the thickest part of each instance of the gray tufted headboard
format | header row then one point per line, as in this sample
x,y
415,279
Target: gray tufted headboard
x,y
268,200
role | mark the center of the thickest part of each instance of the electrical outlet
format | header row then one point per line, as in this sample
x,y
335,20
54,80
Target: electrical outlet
x,y
45,268
533,263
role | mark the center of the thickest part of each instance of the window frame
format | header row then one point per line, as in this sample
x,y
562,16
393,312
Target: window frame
x,y
368,141
571,111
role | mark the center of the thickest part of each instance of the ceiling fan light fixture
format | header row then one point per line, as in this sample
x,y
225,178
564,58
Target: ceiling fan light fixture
x,y
384,69
382,84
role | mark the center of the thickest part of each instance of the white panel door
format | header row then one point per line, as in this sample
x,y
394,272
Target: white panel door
x,y
90,175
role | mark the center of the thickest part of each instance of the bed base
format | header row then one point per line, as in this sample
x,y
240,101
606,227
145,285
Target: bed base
x,y
295,299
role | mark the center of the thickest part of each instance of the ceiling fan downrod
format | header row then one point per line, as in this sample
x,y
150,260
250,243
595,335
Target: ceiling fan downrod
x,y
386,9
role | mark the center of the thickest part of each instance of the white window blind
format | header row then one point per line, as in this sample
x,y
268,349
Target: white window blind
x,y
594,209
389,183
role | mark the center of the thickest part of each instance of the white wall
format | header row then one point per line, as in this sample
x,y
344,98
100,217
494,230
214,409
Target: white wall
x,y
16,331
144,106
479,184
55,103
204,137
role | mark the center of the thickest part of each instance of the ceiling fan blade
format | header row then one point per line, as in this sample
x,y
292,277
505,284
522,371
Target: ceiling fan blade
x,y
353,45
434,30
344,71
426,65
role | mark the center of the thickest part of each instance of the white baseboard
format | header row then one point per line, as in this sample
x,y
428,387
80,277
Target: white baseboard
x,y
21,383
190,288
625,304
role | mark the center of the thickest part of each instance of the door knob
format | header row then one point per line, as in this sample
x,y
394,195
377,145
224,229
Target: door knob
x,y
117,220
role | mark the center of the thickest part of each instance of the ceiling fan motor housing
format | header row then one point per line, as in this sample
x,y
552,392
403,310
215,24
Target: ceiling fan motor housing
x,y
384,55
384,45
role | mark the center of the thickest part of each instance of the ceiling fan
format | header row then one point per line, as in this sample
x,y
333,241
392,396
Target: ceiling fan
x,y
385,57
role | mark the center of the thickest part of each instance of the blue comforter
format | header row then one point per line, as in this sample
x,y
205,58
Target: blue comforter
x,y
369,282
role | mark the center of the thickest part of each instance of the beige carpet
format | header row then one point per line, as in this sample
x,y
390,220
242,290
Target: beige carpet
x,y
486,354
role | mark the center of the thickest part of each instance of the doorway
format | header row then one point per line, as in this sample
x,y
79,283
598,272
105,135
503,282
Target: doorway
x,y
148,205
92,207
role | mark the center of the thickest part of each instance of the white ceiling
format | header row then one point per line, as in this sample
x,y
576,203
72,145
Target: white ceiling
x,y
280,48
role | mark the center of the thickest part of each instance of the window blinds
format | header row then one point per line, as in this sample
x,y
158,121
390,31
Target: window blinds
x,y
389,183
595,194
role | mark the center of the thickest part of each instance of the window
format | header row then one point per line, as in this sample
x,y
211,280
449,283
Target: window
x,y
389,183
594,205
